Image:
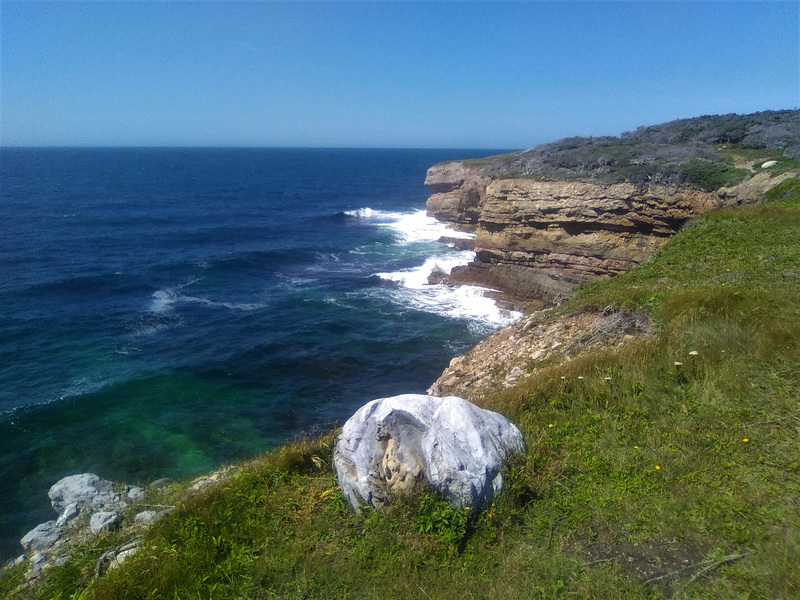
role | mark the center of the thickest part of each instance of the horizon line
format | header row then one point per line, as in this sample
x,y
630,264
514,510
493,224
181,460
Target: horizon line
x,y
200,147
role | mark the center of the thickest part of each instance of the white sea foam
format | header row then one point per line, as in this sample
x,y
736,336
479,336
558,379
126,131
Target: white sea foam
x,y
162,301
462,302
417,278
361,213
410,227
456,302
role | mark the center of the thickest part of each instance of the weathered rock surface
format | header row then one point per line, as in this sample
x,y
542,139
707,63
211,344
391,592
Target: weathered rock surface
x,y
539,239
135,493
86,489
146,516
516,352
37,565
41,537
459,191
406,444
72,496
70,512
104,520
212,479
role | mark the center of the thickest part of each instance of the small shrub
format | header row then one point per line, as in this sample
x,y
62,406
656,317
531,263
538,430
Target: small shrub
x,y
437,516
710,176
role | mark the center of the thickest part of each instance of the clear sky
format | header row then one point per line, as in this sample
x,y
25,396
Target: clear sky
x,y
383,74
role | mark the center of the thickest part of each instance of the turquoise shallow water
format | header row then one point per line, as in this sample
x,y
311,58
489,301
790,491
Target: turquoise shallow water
x,y
164,311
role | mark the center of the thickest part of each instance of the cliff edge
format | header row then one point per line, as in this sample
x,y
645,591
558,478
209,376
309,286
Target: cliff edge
x,y
562,214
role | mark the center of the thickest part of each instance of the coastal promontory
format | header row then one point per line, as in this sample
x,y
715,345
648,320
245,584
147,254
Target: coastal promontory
x,y
570,212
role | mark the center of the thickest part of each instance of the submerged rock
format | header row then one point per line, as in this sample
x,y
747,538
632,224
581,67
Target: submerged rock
x,y
406,444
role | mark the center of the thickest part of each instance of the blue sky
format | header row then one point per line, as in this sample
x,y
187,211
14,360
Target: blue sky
x,y
383,74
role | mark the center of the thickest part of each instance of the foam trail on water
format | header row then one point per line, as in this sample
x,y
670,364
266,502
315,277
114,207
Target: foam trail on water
x,y
163,301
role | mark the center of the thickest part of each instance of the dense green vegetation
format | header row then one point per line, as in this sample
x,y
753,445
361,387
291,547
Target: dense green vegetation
x,y
666,467
697,152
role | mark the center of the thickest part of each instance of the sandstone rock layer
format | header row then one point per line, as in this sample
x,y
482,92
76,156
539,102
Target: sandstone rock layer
x,y
539,239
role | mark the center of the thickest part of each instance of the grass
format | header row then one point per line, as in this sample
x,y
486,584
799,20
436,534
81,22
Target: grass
x,y
756,157
668,467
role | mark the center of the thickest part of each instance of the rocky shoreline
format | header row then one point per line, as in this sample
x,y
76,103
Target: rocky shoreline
x,y
535,242
89,506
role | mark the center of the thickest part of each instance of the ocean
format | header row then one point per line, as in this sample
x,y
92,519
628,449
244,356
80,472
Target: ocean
x,y
166,311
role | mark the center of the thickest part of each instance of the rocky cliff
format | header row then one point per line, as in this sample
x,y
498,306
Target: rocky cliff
x,y
539,239
578,209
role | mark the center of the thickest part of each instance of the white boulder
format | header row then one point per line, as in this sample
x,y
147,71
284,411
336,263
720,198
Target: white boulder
x,y
85,489
406,444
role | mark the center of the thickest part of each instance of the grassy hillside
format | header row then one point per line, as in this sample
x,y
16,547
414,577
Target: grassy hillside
x,y
667,467
699,152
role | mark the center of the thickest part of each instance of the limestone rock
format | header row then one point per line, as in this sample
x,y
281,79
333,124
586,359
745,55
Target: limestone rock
x,y
437,276
85,489
513,376
148,516
112,559
37,564
41,537
405,444
105,520
458,193
135,493
70,512
212,479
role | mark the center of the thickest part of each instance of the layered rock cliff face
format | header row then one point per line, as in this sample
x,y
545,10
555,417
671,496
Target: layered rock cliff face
x,y
539,239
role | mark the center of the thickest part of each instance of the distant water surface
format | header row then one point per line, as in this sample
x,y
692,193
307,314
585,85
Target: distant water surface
x,y
164,311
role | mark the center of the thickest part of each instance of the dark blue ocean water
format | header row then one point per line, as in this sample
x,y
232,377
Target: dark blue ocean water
x,y
164,311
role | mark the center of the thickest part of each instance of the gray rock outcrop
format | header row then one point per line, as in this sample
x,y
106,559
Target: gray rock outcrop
x,y
406,444
86,489
72,496
105,520
41,537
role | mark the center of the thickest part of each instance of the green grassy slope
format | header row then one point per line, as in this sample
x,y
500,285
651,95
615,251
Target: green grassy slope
x,y
666,467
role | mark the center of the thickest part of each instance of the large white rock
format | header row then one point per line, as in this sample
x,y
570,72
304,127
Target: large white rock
x,y
85,489
405,444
